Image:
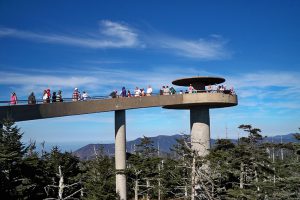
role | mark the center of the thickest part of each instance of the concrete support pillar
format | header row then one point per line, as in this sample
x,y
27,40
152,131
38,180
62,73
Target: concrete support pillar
x,y
200,130
120,153
200,139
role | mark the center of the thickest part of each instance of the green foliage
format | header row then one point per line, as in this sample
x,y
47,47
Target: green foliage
x,y
99,178
143,166
175,177
11,154
248,169
24,174
69,165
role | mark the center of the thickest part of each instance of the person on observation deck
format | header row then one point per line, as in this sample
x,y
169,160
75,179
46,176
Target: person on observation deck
x,y
222,89
31,99
142,92
75,95
167,90
13,99
53,97
59,96
48,95
209,88
114,94
149,90
232,91
129,93
162,90
123,93
137,92
45,97
85,96
172,91
191,89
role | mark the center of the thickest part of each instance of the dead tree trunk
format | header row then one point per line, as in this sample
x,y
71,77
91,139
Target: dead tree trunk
x,y
61,184
136,190
242,175
148,188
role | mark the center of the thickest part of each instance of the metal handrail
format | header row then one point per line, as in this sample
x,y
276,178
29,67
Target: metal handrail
x,y
90,98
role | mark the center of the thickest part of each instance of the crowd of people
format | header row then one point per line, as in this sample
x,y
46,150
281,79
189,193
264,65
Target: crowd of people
x,y
48,97
138,92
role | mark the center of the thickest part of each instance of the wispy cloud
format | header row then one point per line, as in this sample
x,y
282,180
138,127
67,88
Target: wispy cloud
x,y
276,89
267,80
25,79
205,49
260,90
97,81
255,107
113,35
120,35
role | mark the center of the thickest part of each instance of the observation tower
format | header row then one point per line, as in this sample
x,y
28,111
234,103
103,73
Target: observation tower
x,y
199,102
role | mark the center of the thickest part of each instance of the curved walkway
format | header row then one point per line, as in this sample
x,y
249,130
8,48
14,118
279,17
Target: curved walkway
x,y
60,109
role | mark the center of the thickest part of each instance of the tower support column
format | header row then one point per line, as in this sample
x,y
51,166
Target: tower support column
x,y
200,139
200,130
120,153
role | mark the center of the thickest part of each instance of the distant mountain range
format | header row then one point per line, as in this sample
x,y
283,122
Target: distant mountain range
x,y
163,142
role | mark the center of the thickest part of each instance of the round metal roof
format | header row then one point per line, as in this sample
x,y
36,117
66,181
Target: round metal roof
x,y
203,80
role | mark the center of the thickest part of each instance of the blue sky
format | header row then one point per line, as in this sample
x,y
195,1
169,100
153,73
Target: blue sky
x,y
99,46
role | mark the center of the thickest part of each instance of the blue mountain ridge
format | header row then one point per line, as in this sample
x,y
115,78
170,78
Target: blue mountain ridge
x,y
163,142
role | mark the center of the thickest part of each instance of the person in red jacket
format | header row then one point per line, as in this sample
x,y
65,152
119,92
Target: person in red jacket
x,y
13,99
48,95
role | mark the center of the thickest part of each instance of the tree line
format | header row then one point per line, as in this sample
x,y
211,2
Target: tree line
x,y
247,169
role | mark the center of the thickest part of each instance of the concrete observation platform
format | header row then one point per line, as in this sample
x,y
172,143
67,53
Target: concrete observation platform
x,y
199,104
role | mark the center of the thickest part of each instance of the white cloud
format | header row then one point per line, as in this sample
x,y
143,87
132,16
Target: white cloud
x,y
206,49
97,81
262,90
273,89
269,81
254,108
48,80
119,35
114,35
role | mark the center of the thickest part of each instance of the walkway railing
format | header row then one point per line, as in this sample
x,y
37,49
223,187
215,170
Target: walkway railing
x,y
91,98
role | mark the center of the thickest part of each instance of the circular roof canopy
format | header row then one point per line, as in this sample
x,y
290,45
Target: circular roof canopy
x,y
203,80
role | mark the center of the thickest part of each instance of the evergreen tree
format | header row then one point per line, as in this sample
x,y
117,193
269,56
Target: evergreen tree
x,y
11,154
61,170
99,178
33,168
143,170
177,172
286,180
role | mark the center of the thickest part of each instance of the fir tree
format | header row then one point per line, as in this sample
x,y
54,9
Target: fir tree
x,y
11,154
99,178
143,170
61,170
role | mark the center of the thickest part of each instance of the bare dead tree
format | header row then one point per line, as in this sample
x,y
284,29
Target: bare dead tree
x,y
61,186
